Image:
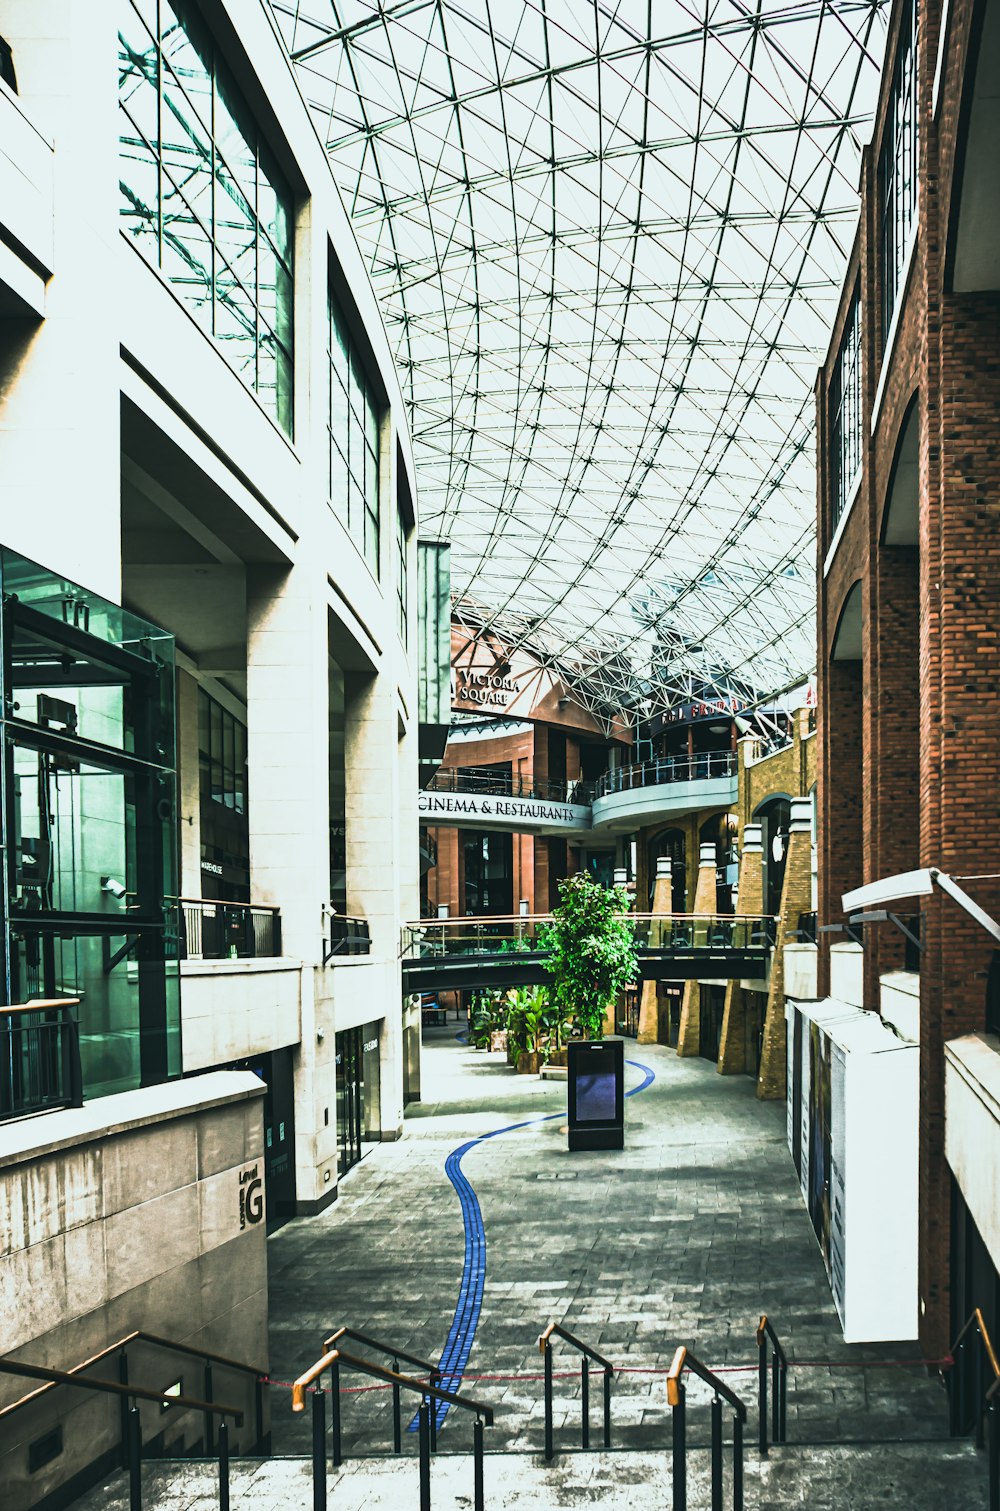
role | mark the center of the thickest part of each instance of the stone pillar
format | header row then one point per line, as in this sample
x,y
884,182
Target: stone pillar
x,y
796,892
749,900
689,1034
649,1008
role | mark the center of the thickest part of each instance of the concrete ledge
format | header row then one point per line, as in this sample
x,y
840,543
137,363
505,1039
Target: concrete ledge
x,y
104,1117
899,1003
972,1129
262,965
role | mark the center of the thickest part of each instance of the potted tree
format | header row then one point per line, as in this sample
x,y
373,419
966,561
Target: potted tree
x,y
592,954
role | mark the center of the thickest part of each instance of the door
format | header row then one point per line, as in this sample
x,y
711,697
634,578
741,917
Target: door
x,y
349,1099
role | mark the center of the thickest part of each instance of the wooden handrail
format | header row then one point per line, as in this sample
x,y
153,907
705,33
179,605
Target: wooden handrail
x,y
41,1005
584,1348
765,1330
397,1353
136,1337
977,1320
526,918
388,1377
683,1359
116,1388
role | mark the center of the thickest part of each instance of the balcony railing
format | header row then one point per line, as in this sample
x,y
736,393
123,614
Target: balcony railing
x,y
506,784
348,936
228,930
434,937
39,1058
696,768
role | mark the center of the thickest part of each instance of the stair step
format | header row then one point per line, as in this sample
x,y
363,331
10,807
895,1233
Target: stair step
x,y
917,1476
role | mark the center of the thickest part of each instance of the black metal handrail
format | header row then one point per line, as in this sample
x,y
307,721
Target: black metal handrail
x,y
432,1372
129,1394
664,769
986,1400
805,933
332,1361
215,930
40,1066
587,1353
779,1384
348,936
676,1394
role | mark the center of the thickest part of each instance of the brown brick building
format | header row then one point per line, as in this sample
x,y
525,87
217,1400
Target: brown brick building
x,y
909,607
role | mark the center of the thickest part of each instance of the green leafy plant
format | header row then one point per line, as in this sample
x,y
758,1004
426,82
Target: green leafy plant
x,y
592,954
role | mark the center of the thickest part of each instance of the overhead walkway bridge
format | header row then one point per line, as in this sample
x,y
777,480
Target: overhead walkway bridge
x,y
466,954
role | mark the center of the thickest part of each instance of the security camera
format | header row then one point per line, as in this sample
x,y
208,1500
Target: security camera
x,y
112,885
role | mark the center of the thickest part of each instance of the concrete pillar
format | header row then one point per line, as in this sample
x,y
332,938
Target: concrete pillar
x,y
795,896
649,1009
689,1034
749,900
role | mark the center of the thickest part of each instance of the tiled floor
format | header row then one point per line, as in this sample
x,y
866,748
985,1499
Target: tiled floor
x,y
683,1237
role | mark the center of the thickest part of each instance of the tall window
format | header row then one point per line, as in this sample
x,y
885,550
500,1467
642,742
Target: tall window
x,y
897,166
353,440
201,195
845,413
402,580
225,832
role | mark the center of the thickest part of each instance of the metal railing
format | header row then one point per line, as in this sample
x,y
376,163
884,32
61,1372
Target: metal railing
x,y
129,1394
978,1408
332,1361
778,1368
430,937
40,1066
348,936
805,932
508,784
587,1353
228,930
676,1394
395,1354
662,769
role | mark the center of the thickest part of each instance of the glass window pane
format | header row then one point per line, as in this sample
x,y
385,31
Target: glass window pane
x,y
229,759
139,183
235,228
274,205
338,481
236,323
187,150
235,135
187,253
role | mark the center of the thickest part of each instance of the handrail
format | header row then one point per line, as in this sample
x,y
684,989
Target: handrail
x,y
545,1345
428,1392
676,1398
584,1348
137,1337
385,1348
116,1388
779,1385
977,1320
40,1005
684,1359
986,1398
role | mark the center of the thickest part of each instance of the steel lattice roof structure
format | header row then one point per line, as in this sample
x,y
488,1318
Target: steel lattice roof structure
x,y
608,240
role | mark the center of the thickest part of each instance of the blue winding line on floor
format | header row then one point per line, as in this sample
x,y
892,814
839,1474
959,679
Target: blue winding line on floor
x,y
462,1333
463,1037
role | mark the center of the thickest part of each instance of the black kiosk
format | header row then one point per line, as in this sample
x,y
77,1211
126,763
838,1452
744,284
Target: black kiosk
x,y
596,1083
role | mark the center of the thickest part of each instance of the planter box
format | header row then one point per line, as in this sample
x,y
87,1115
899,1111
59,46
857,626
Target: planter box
x,y
528,1062
498,1040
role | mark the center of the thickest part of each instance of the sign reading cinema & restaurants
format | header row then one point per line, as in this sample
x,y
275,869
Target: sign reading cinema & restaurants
x,y
480,811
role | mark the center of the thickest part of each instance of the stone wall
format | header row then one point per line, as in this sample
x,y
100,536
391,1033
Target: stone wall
x,y
129,1214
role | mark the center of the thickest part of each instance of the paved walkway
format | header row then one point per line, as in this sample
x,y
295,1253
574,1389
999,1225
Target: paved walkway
x,y
683,1237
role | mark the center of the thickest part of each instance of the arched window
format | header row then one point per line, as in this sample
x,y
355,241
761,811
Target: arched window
x,y
774,817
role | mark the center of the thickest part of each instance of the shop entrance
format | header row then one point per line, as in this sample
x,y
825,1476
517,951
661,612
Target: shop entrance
x,y
358,1090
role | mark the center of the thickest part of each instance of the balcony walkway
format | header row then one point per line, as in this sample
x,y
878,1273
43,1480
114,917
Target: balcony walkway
x,y
685,1236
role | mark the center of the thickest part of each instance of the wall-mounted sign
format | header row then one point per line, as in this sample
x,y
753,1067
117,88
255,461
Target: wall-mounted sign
x,y
251,1197
209,865
473,811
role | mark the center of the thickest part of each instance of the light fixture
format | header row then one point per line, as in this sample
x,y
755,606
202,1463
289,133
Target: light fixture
x,y
113,886
917,884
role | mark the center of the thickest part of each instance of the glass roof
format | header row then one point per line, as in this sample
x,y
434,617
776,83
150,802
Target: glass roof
x,y
608,241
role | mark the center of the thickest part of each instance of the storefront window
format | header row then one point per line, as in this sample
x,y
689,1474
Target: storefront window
x,y
225,829
90,905
201,196
338,791
359,1119
489,873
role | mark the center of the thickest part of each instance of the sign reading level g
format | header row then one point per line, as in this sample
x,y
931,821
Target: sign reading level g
x,y
251,1197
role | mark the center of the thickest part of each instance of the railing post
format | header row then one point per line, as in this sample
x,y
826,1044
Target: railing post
x,y
954,1392
585,1403
123,1404
607,1408
258,1411
319,1450
775,1397
425,1456
679,1465
338,1450
209,1416
737,1462
980,1393
783,1414
223,1465
479,1502
397,1427
549,1449
435,1379
276,931
716,1454
134,1459
762,1396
